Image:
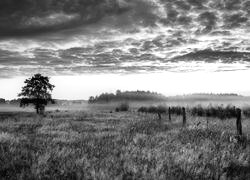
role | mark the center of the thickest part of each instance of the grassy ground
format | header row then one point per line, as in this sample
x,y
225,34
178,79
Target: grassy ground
x,y
104,145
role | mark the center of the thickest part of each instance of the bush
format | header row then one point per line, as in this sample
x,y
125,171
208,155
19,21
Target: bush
x,y
153,110
143,109
215,112
176,110
161,109
122,107
246,112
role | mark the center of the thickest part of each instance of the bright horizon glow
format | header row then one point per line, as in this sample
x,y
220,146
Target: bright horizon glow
x,y
167,83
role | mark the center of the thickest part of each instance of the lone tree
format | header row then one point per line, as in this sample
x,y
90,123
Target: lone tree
x,y
37,91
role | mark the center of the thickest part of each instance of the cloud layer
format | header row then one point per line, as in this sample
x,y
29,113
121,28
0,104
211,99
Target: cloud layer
x,y
123,36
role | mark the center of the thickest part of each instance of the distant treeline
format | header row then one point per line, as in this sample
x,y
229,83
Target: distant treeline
x,y
16,101
214,94
127,96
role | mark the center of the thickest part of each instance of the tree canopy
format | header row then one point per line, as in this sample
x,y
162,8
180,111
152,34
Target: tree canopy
x,y
37,91
127,96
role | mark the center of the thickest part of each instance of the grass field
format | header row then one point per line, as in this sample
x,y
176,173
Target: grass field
x,y
98,144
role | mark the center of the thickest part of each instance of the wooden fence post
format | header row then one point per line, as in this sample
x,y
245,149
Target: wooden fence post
x,y
159,115
169,113
238,121
184,116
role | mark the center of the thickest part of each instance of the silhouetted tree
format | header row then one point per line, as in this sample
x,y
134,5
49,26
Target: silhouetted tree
x,y
91,99
2,101
37,91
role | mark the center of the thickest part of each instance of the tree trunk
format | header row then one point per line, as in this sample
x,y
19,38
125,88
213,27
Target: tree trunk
x,y
42,109
159,115
37,109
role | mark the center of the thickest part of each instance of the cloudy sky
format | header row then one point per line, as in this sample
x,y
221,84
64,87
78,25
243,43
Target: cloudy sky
x,y
98,45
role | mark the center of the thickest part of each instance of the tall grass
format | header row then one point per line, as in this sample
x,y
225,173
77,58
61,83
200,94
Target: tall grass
x,y
117,146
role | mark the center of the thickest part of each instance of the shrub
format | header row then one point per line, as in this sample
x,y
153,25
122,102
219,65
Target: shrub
x,y
143,109
246,112
122,107
218,111
176,110
161,109
153,110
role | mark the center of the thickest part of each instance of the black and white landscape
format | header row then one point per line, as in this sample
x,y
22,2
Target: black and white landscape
x,y
124,89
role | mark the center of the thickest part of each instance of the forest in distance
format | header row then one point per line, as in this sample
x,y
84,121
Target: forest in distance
x,y
140,95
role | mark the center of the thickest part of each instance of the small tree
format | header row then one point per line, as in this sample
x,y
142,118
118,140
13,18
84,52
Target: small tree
x,y
91,99
122,107
37,91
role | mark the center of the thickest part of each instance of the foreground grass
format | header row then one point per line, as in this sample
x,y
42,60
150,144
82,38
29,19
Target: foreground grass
x,y
66,145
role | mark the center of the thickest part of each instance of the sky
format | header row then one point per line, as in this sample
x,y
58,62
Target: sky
x,y
93,46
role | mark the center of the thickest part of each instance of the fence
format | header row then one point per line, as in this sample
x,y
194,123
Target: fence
x,y
216,112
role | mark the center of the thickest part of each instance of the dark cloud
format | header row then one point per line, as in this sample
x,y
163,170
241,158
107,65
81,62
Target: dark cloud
x,y
34,16
234,20
184,20
147,46
44,53
209,56
12,58
7,54
196,3
140,13
133,51
219,4
26,17
232,4
221,32
246,6
208,20
172,15
182,5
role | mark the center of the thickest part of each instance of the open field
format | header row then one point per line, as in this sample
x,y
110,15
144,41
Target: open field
x,y
97,144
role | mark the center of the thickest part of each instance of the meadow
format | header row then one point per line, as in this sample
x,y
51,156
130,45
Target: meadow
x,y
101,144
